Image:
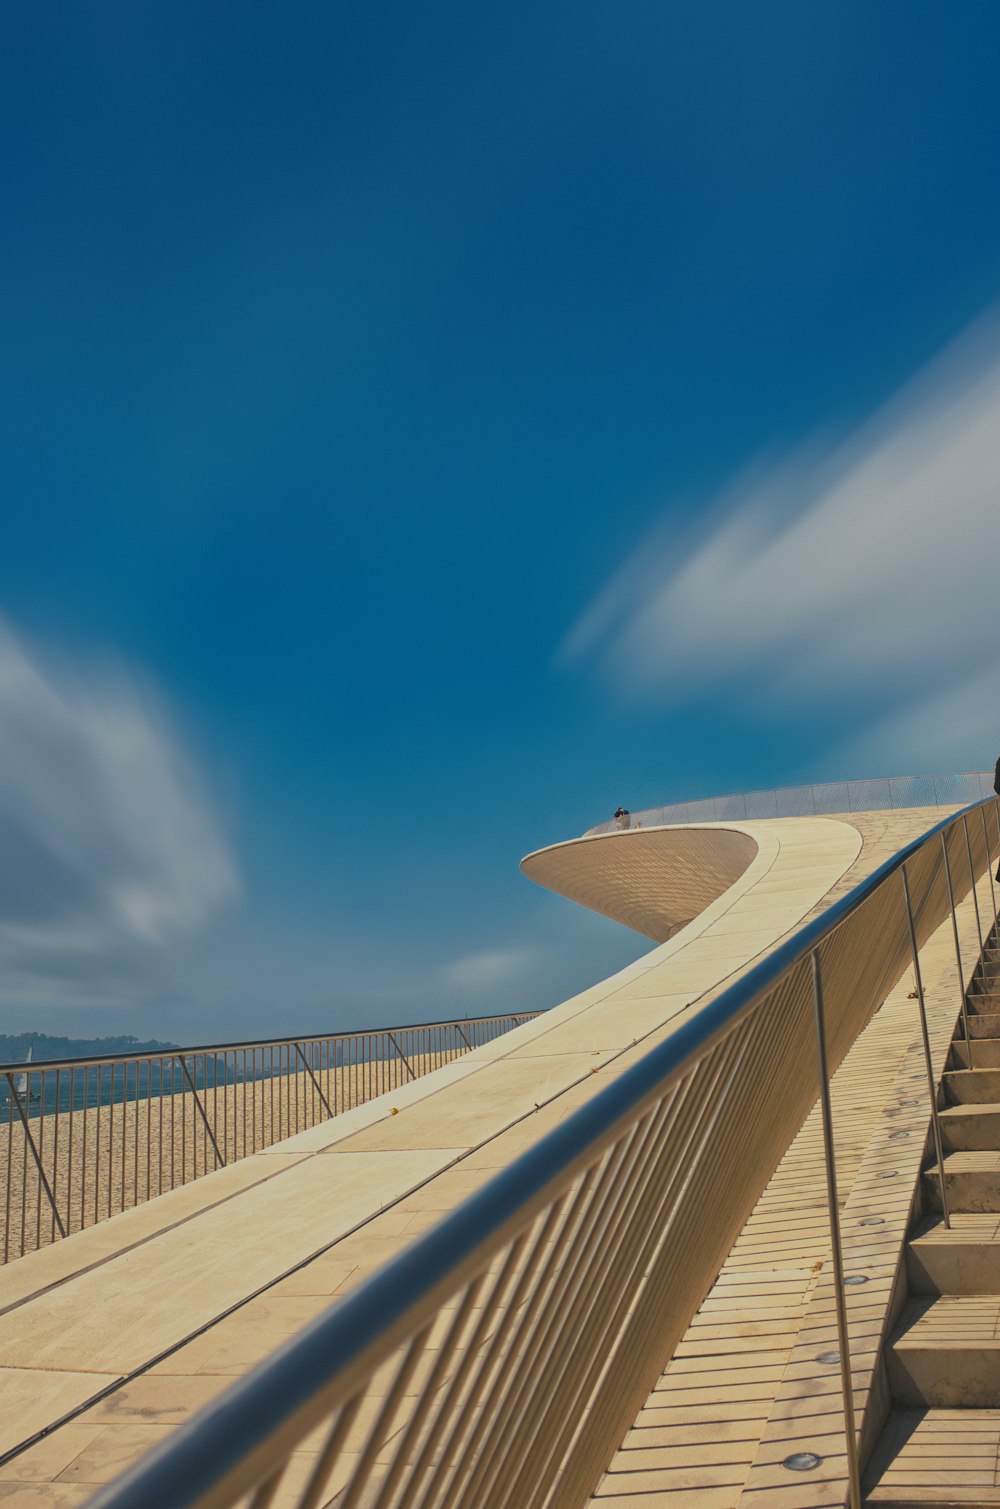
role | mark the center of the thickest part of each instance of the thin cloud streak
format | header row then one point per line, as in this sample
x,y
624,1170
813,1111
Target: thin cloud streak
x,y
493,967
110,857
865,574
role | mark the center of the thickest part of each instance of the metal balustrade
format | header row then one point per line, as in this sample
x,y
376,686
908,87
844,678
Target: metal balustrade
x,y
82,1139
500,1359
888,793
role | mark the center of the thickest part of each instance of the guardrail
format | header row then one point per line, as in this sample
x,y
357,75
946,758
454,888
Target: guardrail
x,y
826,799
541,1311
82,1139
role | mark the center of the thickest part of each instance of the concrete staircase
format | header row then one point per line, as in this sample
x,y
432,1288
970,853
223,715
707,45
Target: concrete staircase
x,y
941,1442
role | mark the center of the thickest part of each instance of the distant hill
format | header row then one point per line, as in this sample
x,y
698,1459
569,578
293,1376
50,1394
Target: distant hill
x,y
14,1046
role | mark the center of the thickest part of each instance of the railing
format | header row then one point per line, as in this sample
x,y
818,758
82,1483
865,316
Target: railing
x,y
82,1139
826,799
500,1359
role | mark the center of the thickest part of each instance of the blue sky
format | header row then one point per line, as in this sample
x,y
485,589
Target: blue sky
x,y
424,428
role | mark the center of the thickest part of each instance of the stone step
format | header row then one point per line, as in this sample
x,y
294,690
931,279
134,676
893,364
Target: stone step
x,y
984,1024
945,1353
977,1000
980,989
973,1182
964,1259
968,1128
985,1050
981,1005
972,1086
935,1457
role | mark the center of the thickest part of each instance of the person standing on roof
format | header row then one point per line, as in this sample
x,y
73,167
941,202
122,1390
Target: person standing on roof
x,y
623,817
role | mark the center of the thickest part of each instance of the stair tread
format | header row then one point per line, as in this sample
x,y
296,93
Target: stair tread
x,y
970,1108
952,1321
966,1226
985,1052
970,1161
936,1456
972,1084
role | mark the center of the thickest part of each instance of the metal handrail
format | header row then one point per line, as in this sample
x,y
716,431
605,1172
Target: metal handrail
x,y
822,798
84,1138
82,1061
564,1284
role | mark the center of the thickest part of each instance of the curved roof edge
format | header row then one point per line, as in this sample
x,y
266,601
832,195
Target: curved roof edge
x,y
654,880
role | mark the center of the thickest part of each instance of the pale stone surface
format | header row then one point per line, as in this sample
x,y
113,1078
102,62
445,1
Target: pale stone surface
x,y
53,1265
31,1398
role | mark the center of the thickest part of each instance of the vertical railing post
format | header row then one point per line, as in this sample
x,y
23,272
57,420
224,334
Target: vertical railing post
x,y
958,949
220,1161
850,1430
395,1043
325,1103
43,1183
972,882
989,863
931,1082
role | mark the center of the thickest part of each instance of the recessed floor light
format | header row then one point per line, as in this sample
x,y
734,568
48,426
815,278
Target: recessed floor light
x,y
802,1461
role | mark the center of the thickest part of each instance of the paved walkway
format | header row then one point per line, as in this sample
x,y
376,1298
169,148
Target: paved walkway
x,y
112,1337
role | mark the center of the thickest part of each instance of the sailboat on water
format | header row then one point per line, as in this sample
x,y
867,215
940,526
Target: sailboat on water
x,y
21,1083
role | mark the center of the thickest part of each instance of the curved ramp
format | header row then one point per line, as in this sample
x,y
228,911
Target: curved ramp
x,y
117,1334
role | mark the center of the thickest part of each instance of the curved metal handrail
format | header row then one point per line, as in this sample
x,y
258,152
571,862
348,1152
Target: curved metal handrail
x,y
243,1439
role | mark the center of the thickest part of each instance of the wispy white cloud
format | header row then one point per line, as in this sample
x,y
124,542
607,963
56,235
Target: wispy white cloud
x,y
110,857
491,968
864,572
